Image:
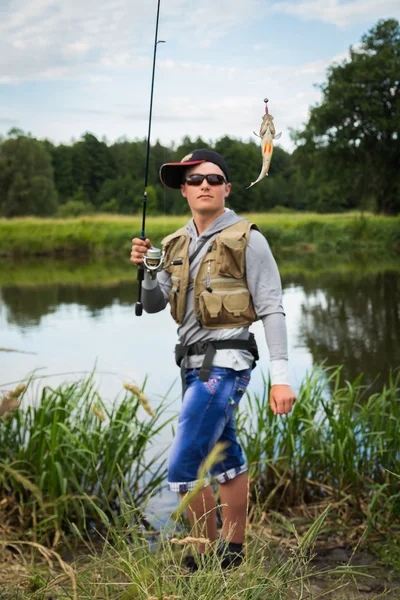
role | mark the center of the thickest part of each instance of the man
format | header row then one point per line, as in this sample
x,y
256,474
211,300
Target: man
x,y
220,276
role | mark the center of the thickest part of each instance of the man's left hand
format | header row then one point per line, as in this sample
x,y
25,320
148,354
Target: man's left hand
x,y
281,399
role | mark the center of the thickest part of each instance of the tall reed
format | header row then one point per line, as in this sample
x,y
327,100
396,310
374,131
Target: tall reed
x,y
68,446
338,442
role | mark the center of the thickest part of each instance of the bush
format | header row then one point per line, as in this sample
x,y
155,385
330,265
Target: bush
x,y
75,208
281,210
111,206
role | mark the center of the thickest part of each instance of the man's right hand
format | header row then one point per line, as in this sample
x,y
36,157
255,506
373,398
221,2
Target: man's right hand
x,y
139,247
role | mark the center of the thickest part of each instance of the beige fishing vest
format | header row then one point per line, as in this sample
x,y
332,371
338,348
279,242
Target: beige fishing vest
x,y
221,295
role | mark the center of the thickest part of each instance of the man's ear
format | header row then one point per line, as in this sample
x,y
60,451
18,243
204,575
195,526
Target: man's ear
x,y
183,192
228,188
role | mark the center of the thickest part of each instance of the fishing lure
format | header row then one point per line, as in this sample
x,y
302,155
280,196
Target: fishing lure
x,y
267,136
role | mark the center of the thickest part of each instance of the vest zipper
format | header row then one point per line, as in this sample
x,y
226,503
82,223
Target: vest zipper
x,y
208,278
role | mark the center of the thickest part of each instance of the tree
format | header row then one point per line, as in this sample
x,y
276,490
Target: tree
x,y
62,160
92,164
26,177
353,134
124,195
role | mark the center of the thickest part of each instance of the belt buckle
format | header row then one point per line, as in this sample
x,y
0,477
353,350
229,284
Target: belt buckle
x,y
203,347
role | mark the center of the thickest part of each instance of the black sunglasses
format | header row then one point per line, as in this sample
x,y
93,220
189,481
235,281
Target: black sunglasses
x,y
197,179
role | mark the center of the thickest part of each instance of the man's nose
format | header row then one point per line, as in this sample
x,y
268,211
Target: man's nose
x,y
205,184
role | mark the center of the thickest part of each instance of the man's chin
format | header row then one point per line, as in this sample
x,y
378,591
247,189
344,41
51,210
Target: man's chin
x,y
209,211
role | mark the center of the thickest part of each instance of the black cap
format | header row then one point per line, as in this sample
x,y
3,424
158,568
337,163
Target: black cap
x,y
171,174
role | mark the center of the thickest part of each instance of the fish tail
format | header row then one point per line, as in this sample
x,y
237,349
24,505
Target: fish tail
x,y
264,173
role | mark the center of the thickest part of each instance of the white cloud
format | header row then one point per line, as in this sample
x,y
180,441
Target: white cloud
x,y
319,67
262,46
79,48
95,45
341,14
39,37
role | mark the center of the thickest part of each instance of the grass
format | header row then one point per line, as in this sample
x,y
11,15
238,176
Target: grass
x,y
330,469
340,446
65,456
103,235
127,568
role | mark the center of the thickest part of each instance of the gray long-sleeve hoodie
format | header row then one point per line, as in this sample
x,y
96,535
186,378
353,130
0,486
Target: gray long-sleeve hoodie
x,y
264,284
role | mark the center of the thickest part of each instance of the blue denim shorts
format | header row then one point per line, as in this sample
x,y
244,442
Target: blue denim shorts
x,y
207,417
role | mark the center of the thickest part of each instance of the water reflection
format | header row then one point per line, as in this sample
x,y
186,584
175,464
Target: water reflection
x,y
26,306
354,322
342,318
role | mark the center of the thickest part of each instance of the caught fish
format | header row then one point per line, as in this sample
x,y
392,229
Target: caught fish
x,y
267,136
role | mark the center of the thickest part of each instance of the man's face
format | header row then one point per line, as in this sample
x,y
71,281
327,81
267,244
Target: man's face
x,y
206,199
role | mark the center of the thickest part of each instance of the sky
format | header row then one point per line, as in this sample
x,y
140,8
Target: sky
x,y
72,66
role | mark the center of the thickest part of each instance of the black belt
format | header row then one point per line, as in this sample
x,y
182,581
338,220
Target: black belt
x,y
209,349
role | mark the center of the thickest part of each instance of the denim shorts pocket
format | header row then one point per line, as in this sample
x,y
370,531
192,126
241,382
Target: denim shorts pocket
x,y
212,384
239,389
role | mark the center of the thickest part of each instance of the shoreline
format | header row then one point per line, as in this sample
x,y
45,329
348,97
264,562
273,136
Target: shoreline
x,y
110,236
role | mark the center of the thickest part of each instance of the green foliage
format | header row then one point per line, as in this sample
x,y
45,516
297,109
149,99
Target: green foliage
x,y
66,456
127,196
128,567
78,205
108,235
339,444
75,208
62,160
350,147
92,164
26,177
110,206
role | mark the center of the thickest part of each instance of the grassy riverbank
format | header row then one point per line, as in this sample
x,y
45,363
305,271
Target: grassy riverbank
x,y
70,469
340,445
127,568
104,235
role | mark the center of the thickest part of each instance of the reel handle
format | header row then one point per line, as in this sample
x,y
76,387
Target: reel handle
x,y
153,261
139,305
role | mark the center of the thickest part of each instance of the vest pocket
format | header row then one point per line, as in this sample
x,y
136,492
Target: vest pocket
x,y
225,308
237,304
231,256
174,295
210,308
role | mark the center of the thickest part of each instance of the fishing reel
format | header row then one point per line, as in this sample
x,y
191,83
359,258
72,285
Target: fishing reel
x,y
153,261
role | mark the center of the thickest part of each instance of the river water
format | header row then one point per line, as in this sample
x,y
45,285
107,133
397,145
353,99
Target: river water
x,y
65,319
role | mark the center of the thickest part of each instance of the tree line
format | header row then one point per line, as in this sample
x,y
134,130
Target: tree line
x,y
347,156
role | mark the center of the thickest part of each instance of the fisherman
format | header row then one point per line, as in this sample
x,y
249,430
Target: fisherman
x,y
220,277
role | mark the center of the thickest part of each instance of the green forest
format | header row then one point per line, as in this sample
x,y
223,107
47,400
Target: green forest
x,y
347,156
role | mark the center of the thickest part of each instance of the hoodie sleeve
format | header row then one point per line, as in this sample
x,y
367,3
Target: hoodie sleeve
x,y
156,291
265,287
263,277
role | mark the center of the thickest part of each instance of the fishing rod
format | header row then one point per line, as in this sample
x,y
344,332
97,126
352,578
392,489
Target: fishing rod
x,y
153,259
